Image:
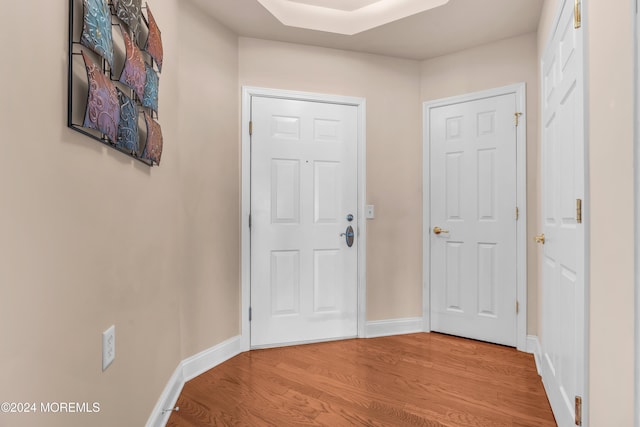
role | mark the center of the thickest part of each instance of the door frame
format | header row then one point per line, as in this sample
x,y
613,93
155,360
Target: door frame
x,y
635,25
519,90
360,103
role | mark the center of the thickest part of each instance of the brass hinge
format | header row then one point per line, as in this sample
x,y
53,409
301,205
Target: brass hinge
x,y
518,118
577,14
578,410
517,307
579,211
517,213
250,128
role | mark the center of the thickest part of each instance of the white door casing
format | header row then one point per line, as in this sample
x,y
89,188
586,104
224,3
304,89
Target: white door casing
x,y
474,179
305,175
636,144
563,184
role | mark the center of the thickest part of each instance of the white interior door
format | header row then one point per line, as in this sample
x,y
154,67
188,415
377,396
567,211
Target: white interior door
x,y
563,321
303,194
473,200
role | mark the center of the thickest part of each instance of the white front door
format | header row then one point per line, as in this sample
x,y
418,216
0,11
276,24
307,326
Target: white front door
x,y
473,201
563,321
303,199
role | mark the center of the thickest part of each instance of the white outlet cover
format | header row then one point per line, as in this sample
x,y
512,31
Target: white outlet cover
x,y
370,212
108,347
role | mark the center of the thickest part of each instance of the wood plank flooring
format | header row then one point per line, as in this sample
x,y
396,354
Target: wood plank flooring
x,y
409,380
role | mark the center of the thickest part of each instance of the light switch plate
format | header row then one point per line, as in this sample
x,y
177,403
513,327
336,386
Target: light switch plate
x,y
108,347
370,212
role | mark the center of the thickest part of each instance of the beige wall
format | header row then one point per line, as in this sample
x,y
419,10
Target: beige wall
x,y
91,238
209,164
394,167
610,212
485,67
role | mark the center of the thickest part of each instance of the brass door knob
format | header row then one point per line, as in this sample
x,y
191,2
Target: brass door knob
x,y
438,230
540,238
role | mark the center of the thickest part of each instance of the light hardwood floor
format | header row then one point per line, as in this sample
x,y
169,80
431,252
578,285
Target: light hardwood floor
x,y
409,380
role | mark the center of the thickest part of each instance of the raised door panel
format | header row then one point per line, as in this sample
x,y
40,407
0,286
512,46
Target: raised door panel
x,y
285,191
454,276
327,192
327,282
287,128
486,184
487,279
453,186
285,283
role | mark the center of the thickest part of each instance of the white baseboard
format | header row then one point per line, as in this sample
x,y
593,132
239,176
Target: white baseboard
x,y
383,328
168,399
203,361
187,370
533,347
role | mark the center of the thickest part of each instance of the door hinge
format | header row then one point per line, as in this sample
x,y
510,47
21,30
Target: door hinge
x,y
518,118
578,410
251,128
517,213
577,14
517,307
249,220
250,314
579,211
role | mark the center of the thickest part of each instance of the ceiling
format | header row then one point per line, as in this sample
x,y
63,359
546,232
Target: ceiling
x,y
347,16
347,5
455,26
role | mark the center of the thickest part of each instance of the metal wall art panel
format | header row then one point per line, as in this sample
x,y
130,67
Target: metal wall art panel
x,y
153,147
129,12
134,73
115,105
128,136
96,30
103,107
151,87
154,42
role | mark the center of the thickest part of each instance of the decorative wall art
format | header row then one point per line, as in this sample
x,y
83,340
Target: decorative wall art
x,y
114,78
134,72
154,41
153,147
103,109
129,12
151,87
96,29
128,135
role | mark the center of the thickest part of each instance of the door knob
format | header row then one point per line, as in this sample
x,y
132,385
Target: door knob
x,y
438,230
348,235
540,238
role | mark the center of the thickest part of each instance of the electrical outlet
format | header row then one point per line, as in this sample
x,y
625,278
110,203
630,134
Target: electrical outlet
x,y
108,347
370,212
